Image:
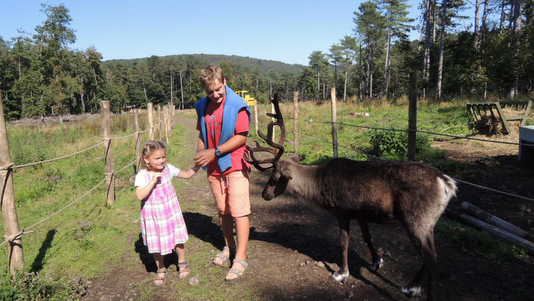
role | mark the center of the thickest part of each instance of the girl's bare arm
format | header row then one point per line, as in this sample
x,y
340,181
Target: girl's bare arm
x,y
186,174
143,192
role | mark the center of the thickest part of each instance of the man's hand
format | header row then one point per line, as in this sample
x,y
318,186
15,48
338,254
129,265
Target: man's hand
x,y
203,157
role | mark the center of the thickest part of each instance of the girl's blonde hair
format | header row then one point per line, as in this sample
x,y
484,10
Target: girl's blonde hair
x,y
149,148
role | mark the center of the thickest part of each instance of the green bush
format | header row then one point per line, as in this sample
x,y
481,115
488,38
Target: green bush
x,y
394,144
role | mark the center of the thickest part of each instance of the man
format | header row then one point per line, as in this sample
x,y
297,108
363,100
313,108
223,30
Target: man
x,y
223,122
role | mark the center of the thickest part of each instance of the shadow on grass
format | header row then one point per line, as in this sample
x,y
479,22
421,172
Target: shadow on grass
x,y
37,264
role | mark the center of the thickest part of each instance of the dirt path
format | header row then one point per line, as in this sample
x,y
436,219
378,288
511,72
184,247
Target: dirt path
x,y
293,250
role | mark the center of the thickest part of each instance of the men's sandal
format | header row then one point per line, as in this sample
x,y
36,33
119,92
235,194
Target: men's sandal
x,y
224,258
158,278
183,267
237,272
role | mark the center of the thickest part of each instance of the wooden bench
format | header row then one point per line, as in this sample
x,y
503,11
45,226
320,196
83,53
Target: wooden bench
x,y
480,110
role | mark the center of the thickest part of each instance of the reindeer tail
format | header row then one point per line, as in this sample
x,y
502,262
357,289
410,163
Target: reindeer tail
x,y
450,188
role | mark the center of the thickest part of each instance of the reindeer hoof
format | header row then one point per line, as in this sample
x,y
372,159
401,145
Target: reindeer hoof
x,y
340,277
411,291
376,265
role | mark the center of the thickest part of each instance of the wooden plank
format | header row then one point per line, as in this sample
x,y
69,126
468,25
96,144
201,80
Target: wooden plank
x,y
527,111
496,232
496,221
503,119
495,109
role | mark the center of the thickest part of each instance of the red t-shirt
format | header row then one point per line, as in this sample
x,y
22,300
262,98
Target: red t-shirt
x,y
213,120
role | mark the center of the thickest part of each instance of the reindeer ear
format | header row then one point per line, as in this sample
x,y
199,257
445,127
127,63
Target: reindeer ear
x,y
285,170
295,158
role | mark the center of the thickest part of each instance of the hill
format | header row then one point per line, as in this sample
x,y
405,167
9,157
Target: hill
x,y
264,65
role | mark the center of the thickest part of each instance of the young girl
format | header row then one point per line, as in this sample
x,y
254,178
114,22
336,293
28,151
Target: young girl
x,y
162,224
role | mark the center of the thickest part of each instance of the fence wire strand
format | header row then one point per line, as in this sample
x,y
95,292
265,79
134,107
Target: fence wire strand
x,y
11,166
426,132
25,230
59,158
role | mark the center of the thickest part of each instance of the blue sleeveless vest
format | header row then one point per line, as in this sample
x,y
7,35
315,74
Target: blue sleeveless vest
x,y
232,105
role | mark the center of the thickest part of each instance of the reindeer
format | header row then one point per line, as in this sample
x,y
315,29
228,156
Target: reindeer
x,y
368,191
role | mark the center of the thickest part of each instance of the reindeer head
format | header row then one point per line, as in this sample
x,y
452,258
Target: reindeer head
x,y
278,181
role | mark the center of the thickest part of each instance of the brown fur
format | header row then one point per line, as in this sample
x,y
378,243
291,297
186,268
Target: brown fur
x,y
372,191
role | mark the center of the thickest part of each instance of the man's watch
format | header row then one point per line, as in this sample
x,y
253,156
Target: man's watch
x,y
217,152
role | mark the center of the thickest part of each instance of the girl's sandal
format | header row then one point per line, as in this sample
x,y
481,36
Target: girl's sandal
x,y
183,268
157,281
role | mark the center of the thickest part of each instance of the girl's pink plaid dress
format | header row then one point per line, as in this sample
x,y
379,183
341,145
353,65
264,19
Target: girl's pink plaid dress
x,y
162,222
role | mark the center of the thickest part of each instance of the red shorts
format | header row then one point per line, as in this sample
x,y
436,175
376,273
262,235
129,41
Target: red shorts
x,y
231,193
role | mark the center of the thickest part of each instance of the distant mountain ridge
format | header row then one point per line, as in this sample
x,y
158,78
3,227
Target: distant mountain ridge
x,y
264,65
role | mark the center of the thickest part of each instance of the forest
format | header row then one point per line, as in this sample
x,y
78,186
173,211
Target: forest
x,y
492,59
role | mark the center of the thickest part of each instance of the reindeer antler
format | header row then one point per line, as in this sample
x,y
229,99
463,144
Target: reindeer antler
x,y
278,147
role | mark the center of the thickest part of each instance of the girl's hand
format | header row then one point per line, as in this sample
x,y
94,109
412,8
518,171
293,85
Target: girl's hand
x,y
155,177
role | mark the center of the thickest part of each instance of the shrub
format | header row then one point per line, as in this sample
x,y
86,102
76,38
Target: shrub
x,y
394,144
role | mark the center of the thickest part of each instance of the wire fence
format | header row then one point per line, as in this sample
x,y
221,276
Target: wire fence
x,y
352,149
164,134
163,127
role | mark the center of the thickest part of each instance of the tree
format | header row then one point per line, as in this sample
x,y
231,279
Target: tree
x,y
51,38
348,56
335,56
371,25
319,63
396,12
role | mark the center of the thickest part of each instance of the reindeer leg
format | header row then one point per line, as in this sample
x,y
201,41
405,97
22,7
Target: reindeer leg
x,y
426,248
344,232
377,260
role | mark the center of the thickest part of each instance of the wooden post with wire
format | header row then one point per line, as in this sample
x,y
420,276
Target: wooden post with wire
x,y
166,123
136,139
160,123
256,115
334,122
108,154
7,198
150,112
295,124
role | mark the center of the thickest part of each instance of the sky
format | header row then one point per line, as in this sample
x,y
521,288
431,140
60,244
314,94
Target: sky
x,y
280,30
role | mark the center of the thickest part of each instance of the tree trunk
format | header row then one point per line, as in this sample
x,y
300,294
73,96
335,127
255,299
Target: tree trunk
x,y
171,86
345,85
182,91
428,31
517,16
442,46
385,79
516,32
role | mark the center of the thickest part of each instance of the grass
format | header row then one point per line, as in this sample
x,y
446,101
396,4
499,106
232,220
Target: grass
x,y
67,250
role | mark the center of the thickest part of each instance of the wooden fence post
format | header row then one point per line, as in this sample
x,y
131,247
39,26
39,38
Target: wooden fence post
x,y
160,123
172,111
296,115
166,123
108,155
136,139
256,114
273,112
334,122
150,112
7,197
412,117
